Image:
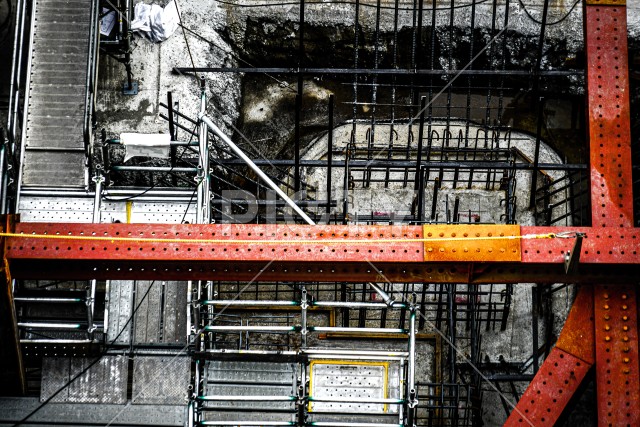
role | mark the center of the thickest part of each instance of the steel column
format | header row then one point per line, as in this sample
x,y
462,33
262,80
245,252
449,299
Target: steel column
x,y
616,326
608,107
616,338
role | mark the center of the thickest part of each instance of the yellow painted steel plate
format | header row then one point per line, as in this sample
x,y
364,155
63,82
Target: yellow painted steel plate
x,y
472,243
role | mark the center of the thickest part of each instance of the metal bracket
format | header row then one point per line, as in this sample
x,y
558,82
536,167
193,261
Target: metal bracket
x,y
133,90
572,257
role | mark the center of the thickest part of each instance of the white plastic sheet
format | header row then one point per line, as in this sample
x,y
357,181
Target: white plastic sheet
x,y
154,21
146,144
107,22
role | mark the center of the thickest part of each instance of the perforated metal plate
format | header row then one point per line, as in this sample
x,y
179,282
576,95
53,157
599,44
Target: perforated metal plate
x,y
344,380
148,212
56,209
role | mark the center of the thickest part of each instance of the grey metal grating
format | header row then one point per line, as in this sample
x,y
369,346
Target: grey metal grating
x,y
161,316
161,380
104,382
231,378
54,140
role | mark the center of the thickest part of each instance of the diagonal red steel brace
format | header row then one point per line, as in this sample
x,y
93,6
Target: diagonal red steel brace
x,y
562,371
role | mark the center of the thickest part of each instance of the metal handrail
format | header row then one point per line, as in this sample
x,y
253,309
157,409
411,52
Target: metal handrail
x,y
91,78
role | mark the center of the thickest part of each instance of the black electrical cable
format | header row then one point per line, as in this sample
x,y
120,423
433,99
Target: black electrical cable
x,y
68,383
183,33
188,205
345,2
548,24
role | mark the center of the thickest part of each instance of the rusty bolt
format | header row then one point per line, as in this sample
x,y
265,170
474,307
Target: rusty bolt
x,y
625,328
607,317
625,339
624,306
626,360
626,371
606,307
466,249
490,249
607,327
606,296
429,249
441,249
624,296
441,234
607,338
626,349
625,318
502,250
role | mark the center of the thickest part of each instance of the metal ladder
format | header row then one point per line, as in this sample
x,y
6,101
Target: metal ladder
x,y
60,86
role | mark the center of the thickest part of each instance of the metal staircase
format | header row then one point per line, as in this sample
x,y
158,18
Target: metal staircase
x,y
60,87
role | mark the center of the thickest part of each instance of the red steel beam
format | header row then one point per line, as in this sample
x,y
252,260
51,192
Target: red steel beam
x,y
325,253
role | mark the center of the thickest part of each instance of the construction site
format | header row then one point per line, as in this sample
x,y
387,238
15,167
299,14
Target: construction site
x,y
332,213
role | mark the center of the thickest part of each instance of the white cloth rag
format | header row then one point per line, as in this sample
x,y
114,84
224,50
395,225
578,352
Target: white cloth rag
x,y
146,144
155,22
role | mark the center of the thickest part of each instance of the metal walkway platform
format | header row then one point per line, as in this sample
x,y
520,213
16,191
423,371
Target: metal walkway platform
x,y
61,73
